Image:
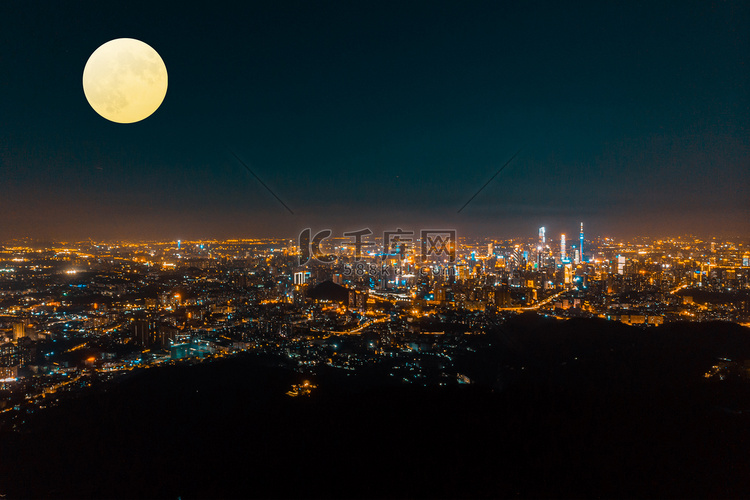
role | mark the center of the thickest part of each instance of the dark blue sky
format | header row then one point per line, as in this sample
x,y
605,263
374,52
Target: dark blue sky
x,y
633,117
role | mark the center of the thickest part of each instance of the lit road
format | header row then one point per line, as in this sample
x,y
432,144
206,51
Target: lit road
x,y
357,330
535,306
678,289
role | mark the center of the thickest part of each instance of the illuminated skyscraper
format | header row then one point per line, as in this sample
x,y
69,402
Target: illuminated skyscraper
x,y
540,247
568,274
539,250
563,256
19,330
581,247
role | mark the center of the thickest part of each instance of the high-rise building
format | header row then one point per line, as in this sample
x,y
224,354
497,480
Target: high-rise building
x,y
144,332
580,248
502,296
539,253
563,256
9,355
19,330
620,264
542,238
568,274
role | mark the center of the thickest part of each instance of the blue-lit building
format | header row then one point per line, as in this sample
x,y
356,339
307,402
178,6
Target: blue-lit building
x,y
581,245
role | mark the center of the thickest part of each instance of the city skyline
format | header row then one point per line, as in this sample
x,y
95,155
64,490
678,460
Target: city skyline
x,y
136,344
396,249
632,118
553,239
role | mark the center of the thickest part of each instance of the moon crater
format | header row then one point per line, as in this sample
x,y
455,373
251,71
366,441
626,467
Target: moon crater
x,y
125,80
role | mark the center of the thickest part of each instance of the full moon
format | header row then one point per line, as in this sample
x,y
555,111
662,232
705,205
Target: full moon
x,y
125,80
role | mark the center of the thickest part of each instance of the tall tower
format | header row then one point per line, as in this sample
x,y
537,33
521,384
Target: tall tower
x,y
540,247
581,247
563,256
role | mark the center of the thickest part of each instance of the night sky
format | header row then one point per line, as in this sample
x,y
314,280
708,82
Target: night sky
x,y
631,117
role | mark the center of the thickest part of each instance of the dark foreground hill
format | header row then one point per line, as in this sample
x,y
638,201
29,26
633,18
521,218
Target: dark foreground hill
x,y
632,416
